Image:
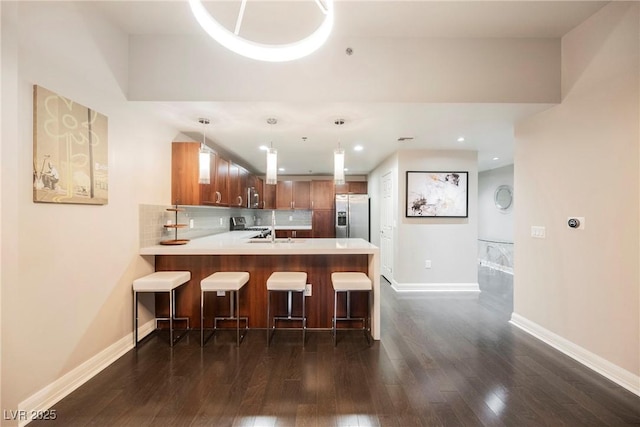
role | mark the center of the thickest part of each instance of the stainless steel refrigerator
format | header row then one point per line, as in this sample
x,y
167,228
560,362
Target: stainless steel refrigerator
x,y
352,216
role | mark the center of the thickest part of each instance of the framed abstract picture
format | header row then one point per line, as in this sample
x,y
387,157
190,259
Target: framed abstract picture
x,y
70,157
437,194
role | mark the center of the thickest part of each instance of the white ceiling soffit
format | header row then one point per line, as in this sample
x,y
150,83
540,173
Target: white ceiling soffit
x,y
429,70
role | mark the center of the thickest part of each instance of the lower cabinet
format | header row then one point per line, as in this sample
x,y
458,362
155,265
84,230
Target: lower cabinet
x,y
294,234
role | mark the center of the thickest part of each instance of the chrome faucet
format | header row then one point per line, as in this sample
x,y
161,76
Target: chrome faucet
x,y
273,226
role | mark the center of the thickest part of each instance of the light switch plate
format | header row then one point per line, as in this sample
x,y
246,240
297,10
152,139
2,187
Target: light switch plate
x,y
538,231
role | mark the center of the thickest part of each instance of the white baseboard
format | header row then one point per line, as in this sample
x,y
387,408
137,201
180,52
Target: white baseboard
x,y
618,375
434,287
51,394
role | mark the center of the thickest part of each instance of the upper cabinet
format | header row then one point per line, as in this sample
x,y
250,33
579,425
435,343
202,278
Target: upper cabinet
x,y
185,189
237,185
322,194
221,185
269,196
355,187
293,195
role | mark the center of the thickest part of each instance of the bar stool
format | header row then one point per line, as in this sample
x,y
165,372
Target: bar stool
x,y
224,281
161,281
351,282
286,281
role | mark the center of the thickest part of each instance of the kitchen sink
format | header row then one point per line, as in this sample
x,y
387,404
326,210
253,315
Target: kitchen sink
x,y
267,240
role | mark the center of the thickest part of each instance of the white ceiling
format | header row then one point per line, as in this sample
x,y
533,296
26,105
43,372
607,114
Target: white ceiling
x,y
240,127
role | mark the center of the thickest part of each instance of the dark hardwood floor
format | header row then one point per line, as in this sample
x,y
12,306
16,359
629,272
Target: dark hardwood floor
x,y
444,359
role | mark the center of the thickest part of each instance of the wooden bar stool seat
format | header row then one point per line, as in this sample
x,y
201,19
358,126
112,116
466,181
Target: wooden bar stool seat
x,y
286,281
160,281
224,281
351,282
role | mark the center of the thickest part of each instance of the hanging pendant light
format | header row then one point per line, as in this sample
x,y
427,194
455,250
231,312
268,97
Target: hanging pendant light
x,y
338,166
272,160
338,160
204,173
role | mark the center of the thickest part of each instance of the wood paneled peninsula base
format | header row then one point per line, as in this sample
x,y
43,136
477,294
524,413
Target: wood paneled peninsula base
x,y
234,251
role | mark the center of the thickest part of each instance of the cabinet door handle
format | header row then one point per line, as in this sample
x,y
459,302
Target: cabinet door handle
x,y
218,197
294,233
293,204
239,200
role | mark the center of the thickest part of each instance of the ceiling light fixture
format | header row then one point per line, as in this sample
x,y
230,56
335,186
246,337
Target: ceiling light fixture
x,y
204,157
272,159
261,51
461,139
358,148
338,160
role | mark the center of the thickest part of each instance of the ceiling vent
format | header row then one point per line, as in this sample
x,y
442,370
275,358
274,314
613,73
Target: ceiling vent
x,y
405,139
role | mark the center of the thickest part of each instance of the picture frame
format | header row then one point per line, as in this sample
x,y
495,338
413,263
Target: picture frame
x,y
70,151
442,194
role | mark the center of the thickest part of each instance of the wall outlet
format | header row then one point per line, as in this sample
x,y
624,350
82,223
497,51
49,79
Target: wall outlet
x,y
307,290
191,223
220,293
427,263
290,217
221,221
538,231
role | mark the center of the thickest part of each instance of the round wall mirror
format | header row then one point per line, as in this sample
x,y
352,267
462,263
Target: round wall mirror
x,y
503,197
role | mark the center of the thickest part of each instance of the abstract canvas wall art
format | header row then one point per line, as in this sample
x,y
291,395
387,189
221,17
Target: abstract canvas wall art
x,y
70,157
437,194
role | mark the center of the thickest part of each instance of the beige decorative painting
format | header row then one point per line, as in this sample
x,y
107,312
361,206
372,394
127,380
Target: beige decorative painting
x,y
70,162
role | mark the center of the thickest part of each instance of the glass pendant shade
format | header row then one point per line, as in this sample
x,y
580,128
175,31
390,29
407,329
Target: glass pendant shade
x,y
204,176
338,166
272,166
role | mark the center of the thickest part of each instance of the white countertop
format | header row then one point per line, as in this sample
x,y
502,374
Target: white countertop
x,y
238,243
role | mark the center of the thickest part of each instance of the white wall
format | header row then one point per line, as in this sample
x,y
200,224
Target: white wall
x,y
450,243
493,223
66,283
582,288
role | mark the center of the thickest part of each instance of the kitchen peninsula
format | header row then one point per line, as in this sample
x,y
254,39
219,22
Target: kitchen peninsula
x,y
236,251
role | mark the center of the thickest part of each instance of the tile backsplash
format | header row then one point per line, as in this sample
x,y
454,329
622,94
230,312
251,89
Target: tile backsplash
x,y
207,221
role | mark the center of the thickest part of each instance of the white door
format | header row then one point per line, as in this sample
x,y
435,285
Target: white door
x,y
386,226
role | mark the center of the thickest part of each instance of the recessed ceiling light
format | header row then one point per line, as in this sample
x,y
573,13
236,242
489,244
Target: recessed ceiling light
x,y
461,139
358,148
496,158
263,147
346,169
281,169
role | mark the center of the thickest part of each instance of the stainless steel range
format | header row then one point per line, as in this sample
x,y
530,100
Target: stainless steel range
x,y
240,223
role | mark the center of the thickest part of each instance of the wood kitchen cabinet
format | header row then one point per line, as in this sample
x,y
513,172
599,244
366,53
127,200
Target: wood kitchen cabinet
x,y
355,187
293,195
322,194
269,196
294,234
323,223
185,165
221,186
185,173
237,185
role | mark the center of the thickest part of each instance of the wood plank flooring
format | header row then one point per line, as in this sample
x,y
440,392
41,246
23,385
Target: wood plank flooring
x,y
444,360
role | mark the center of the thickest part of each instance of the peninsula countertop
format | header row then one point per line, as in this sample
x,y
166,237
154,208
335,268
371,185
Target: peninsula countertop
x,y
241,243
218,252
